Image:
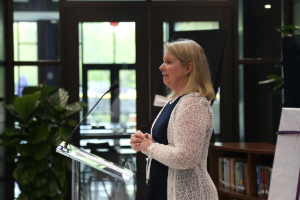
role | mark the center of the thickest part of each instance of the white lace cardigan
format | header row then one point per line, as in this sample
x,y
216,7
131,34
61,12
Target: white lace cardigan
x,y
189,131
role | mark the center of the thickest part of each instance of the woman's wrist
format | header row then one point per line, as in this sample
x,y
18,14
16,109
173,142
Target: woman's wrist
x,y
150,147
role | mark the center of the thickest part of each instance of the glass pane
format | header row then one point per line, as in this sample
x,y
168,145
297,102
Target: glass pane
x,y
34,75
2,40
196,26
102,186
117,47
192,26
98,84
96,49
258,28
125,42
36,26
27,32
27,52
107,53
128,98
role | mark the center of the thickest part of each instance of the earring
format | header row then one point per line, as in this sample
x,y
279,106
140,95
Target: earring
x,y
185,75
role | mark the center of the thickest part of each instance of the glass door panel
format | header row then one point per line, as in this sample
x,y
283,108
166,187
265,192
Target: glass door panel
x,y
107,55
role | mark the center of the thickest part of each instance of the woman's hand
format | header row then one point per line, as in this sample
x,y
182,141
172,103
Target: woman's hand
x,y
136,140
145,144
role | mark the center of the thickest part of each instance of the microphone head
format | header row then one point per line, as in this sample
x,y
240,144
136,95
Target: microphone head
x,y
113,87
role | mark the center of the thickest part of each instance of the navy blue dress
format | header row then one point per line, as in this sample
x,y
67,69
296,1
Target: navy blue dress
x,y
157,185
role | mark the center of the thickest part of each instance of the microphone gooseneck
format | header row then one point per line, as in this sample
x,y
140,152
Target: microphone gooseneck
x,y
112,88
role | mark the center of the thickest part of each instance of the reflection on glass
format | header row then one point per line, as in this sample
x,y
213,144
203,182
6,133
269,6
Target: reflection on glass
x,y
33,75
25,76
196,26
36,30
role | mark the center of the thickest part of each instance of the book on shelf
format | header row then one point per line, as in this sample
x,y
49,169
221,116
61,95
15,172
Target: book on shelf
x,y
233,174
263,180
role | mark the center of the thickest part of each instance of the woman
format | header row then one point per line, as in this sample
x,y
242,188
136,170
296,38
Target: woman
x,y
178,145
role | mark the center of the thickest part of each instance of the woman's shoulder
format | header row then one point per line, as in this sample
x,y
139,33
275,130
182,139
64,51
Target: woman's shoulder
x,y
194,98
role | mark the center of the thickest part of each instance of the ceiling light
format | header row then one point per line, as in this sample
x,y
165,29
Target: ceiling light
x,y
267,6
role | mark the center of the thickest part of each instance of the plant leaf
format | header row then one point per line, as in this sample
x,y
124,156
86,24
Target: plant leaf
x,y
10,99
267,81
13,111
279,63
12,131
25,162
277,78
25,196
26,105
41,150
47,112
41,165
72,122
39,192
293,27
52,187
40,133
24,176
45,90
25,149
59,99
278,87
59,135
39,181
10,154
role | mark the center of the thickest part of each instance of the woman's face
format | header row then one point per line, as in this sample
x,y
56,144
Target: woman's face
x,y
174,73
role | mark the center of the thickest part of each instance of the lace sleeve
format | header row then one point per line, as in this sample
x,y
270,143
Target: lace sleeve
x,y
189,130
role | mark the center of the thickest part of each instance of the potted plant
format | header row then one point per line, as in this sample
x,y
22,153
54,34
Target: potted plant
x,y
41,123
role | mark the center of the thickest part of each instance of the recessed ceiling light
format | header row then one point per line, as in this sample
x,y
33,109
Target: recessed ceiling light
x,y
267,6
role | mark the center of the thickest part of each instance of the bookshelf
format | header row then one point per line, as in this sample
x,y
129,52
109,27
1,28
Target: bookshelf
x,y
255,153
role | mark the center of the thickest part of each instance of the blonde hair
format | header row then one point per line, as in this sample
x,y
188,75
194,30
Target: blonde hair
x,y
198,80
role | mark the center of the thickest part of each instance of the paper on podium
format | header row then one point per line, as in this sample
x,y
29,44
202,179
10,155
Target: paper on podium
x,y
96,162
285,171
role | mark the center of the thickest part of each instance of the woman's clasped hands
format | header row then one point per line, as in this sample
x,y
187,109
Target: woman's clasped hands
x,y
140,141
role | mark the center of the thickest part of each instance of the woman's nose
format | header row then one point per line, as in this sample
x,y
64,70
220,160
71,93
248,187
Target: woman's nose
x,y
161,67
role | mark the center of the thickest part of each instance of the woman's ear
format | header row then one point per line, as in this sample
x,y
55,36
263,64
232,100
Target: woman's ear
x,y
189,67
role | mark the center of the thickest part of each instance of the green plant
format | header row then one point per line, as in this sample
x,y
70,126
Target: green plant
x,y
42,122
286,31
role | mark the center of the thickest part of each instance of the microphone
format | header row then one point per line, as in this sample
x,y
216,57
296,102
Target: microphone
x,y
112,88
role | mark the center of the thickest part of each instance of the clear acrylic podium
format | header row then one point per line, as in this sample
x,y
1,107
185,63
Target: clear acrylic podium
x,y
94,177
